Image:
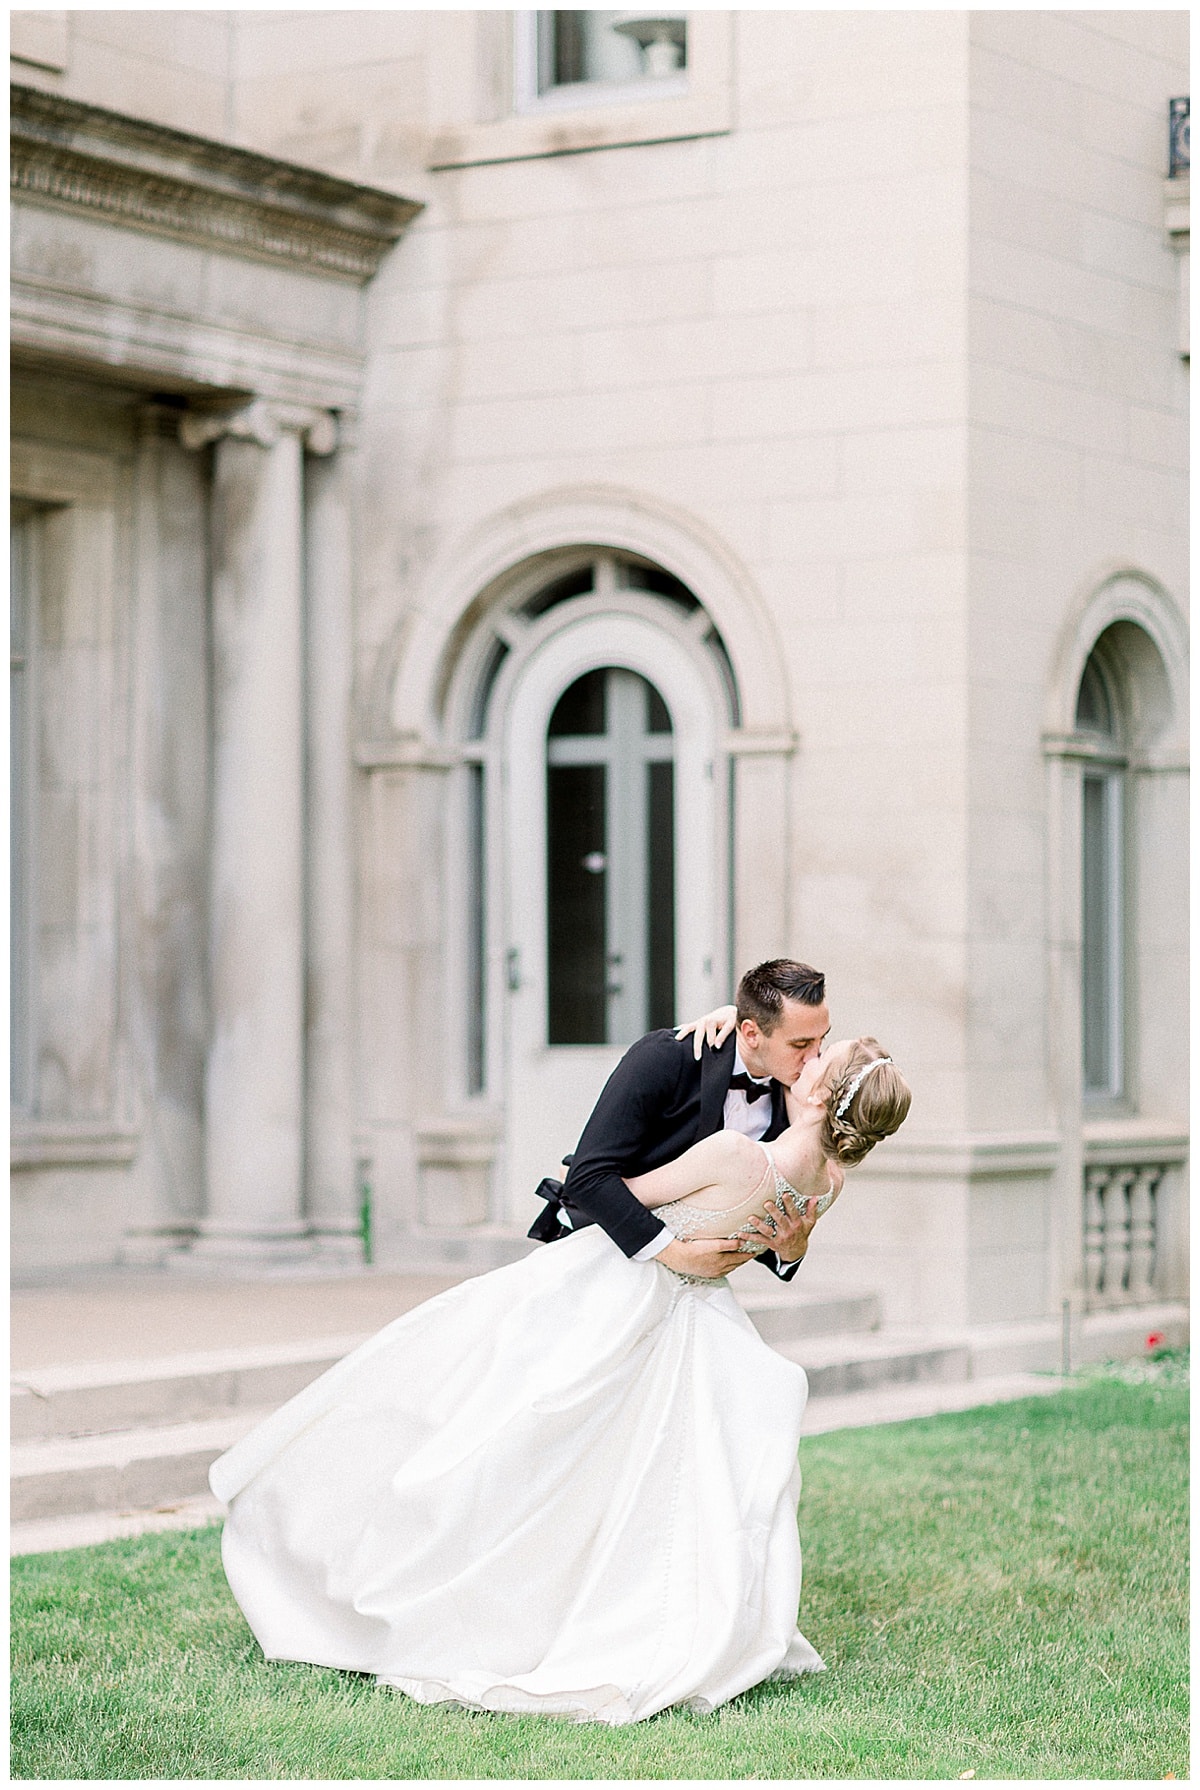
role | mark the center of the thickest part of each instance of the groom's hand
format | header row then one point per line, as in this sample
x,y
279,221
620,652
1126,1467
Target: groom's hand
x,y
710,1257
787,1232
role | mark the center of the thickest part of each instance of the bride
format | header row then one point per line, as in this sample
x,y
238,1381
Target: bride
x,y
568,1487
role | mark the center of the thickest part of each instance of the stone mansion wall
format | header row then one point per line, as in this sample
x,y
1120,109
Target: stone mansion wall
x,y
382,400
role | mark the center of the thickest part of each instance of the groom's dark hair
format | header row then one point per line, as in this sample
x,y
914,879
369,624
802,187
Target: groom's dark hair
x,y
763,990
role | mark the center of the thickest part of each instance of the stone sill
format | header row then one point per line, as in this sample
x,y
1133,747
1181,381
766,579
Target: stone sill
x,y
1121,1141
71,1146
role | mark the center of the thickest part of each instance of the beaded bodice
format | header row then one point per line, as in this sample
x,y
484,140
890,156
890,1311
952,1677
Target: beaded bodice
x,y
689,1221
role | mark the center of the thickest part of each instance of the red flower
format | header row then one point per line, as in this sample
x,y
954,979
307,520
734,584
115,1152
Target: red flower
x,y
1154,1340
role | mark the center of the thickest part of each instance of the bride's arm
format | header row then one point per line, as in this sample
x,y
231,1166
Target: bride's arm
x,y
727,1164
711,1029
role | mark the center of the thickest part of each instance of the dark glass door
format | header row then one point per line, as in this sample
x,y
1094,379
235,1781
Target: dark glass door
x,y
610,853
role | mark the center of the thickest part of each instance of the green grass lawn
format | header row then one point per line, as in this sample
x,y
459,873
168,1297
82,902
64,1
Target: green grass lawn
x,y
1002,1591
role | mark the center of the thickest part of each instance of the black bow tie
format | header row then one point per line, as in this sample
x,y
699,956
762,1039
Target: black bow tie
x,y
753,1090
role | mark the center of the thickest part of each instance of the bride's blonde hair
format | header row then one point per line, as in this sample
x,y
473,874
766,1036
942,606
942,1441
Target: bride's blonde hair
x,y
876,1107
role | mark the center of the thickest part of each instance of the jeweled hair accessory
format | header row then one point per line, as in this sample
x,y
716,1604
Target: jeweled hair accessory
x,y
852,1090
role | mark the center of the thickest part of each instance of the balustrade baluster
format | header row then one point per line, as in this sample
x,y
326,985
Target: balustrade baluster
x,y
1116,1235
1094,1183
1142,1229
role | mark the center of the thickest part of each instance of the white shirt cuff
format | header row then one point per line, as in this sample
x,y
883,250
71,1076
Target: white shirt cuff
x,y
655,1246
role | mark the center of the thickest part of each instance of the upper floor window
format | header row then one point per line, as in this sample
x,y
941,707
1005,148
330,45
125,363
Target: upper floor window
x,y
573,58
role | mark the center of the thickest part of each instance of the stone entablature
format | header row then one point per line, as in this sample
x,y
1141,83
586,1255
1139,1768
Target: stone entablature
x,y
146,176
180,264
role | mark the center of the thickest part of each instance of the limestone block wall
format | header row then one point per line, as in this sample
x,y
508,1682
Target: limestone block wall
x,y
1078,472
1078,441
870,339
172,66
760,332
109,991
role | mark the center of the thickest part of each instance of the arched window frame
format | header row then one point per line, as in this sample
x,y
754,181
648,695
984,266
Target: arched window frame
x,y
672,643
1125,1144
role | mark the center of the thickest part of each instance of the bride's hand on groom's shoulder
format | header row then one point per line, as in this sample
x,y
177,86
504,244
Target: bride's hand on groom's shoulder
x,y
711,1029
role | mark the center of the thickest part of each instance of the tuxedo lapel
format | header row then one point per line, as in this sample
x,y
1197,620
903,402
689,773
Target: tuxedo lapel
x,y
716,1067
779,1116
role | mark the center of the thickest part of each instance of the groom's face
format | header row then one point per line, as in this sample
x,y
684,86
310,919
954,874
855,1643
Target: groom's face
x,y
795,1041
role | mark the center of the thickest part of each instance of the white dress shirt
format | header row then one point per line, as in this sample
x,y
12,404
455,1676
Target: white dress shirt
x,y
752,1117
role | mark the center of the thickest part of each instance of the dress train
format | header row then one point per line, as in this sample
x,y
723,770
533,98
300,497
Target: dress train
x,y
566,1487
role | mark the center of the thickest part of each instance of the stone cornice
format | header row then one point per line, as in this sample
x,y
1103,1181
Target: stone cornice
x,y
146,176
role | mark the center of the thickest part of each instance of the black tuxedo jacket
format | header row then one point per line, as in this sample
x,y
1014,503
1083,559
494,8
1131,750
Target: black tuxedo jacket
x,y
657,1102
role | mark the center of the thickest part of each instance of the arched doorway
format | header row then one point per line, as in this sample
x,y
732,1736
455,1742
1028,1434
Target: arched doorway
x,y
598,819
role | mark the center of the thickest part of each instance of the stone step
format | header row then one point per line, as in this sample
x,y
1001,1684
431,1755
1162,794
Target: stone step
x,y
785,1313
899,1403
100,1397
882,1404
103,1397
153,1464
151,1459
127,1470
837,1365
85,1529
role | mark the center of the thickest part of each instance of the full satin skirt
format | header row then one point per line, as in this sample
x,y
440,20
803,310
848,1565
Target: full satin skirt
x,y
568,1487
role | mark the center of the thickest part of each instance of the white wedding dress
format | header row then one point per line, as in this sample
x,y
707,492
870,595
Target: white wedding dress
x,y
567,1487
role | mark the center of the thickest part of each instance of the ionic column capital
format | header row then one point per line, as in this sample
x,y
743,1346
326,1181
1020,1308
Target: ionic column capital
x,y
264,422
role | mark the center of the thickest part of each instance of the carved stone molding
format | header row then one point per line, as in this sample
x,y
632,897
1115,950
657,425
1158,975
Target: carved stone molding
x,y
146,176
262,422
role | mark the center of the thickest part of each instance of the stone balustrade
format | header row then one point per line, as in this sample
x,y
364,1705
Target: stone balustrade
x,y
1120,1232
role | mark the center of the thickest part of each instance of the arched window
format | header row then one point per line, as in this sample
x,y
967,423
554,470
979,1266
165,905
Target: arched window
x,y
1103,969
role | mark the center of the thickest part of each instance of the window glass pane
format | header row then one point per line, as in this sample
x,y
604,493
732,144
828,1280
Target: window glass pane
x,y
582,708
476,933
614,48
572,584
586,48
610,884
497,653
569,58
1093,710
576,877
658,715
660,918
660,583
1101,967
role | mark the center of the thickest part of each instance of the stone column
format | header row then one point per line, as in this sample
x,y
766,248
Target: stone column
x,y
331,1192
254,1080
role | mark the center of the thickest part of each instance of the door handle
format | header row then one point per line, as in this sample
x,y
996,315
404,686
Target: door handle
x,y
512,968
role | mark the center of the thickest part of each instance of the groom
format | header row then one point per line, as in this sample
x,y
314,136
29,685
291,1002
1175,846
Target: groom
x,y
659,1101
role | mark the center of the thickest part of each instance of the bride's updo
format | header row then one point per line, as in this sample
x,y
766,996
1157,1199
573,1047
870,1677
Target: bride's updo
x,y
876,1107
